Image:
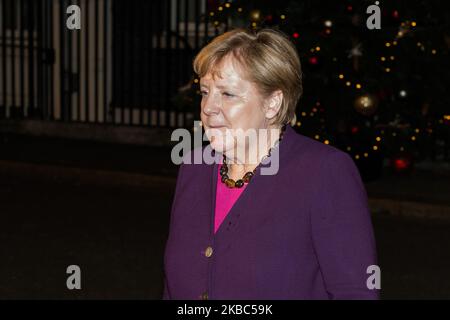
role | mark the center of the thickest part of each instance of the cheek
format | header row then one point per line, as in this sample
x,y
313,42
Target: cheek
x,y
243,115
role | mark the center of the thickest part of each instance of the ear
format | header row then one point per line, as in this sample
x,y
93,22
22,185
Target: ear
x,y
273,104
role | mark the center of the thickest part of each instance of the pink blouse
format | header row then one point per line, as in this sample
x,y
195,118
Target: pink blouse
x,y
225,199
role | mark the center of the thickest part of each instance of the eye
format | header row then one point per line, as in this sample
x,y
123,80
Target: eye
x,y
203,93
228,94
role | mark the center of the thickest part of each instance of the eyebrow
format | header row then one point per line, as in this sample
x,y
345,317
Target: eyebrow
x,y
219,86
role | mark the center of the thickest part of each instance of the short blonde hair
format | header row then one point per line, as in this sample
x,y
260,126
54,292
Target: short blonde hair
x,y
269,58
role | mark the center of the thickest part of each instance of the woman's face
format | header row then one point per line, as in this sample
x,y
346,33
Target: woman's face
x,y
230,102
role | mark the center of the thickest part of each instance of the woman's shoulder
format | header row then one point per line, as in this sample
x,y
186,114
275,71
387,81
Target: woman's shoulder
x,y
322,166
309,149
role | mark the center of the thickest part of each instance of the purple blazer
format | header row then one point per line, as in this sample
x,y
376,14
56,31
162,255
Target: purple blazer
x,y
304,233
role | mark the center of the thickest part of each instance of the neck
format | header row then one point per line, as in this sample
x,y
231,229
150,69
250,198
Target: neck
x,y
243,162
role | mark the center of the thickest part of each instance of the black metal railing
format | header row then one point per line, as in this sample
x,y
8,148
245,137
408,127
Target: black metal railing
x,y
124,65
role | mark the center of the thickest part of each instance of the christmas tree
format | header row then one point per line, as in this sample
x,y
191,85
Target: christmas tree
x,y
374,86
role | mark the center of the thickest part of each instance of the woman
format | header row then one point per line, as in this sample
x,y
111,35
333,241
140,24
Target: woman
x,y
303,232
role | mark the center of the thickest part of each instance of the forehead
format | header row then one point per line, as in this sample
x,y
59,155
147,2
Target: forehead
x,y
228,72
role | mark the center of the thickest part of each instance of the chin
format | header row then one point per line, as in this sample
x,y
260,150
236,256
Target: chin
x,y
221,143
219,146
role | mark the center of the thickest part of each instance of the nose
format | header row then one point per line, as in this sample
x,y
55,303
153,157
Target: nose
x,y
211,104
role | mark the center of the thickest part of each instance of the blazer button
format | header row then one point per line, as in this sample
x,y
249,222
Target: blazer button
x,y
208,252
205,296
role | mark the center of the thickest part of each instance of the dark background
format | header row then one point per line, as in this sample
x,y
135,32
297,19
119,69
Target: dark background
x,y
86,118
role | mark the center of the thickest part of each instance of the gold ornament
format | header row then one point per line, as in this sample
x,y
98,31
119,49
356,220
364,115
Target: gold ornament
x,y
366,104
255,15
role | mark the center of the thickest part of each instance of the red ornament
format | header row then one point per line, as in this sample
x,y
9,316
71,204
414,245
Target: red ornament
x,y
395,14
349,8
295,35
401,163
355,130
313,60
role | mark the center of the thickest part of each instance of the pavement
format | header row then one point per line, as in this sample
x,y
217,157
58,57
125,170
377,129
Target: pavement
x,y
106,208
423,193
